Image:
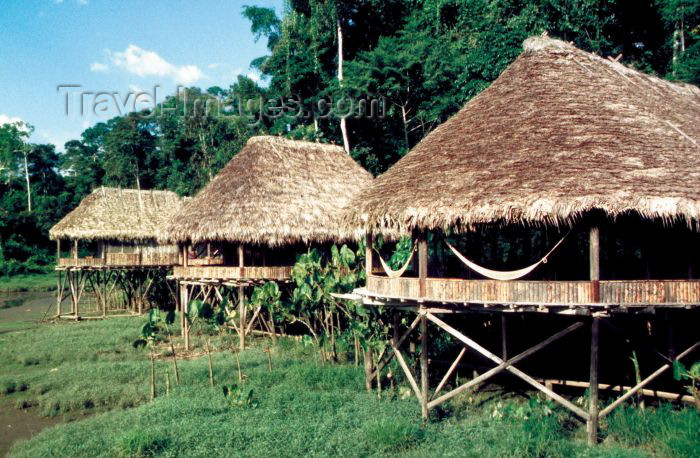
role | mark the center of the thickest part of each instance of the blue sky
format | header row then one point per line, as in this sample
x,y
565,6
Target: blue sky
x,y
115,46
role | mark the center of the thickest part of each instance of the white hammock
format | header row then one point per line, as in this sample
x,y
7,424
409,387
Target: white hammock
x,y
396,273
503,274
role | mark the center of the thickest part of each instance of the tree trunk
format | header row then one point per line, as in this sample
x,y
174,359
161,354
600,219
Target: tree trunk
x,y
29,187
405,126
343,126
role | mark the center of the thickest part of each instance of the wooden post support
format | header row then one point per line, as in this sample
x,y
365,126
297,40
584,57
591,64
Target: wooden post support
x,y
504,346
75,251
422,261
59,293
592,423
424,366
58,252
241,300
594,261
185,255
368,254
186,323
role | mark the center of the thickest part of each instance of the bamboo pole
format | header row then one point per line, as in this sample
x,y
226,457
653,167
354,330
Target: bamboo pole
x,y
58,251
422,262
241,299
622,388
504,347
167,383
177,372
211,367
592,423
153,378
368,255
594,261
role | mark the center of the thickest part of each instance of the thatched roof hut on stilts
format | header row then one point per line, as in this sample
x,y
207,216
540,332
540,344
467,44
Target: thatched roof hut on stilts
x,y
273,199
118,228
562,141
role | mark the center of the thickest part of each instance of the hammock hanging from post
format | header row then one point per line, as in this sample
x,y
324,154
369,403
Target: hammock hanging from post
x,y
503,275
396,273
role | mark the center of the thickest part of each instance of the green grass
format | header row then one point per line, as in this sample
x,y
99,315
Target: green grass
x,y
300,408
29,282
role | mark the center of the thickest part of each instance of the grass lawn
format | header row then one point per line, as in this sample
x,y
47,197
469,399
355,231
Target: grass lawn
x,y
30,282
90,373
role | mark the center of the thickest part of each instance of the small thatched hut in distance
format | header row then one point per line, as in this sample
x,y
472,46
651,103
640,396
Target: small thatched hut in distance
x,y
120,227
562,139
266,206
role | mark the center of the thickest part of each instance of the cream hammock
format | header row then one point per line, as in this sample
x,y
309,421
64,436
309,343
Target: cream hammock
x,y
396,273
503,274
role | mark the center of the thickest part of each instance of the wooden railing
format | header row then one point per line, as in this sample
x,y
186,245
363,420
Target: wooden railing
x,y
206,262
123,260
636,292
224,273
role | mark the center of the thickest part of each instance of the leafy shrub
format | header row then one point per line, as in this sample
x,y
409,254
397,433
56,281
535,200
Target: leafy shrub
x,y
238,396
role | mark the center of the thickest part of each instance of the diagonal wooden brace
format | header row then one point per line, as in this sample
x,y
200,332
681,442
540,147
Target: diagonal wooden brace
x,y
398,344
515,371
644,382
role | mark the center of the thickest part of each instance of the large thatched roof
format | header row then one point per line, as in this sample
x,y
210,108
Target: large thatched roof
x,y
274,191
559,133
118,214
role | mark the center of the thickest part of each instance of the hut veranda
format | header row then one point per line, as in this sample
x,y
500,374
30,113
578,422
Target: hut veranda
x,y
113,252
568,158
274,199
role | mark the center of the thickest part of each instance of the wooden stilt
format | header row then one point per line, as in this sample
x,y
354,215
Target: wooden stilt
x,y
422,262
368,254
424,366
186,321
504,347
241,300
592,423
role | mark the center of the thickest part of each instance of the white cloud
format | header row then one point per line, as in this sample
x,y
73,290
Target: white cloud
x,y
237,72
255,76
98,67
214,66
142,62
7,119
82,2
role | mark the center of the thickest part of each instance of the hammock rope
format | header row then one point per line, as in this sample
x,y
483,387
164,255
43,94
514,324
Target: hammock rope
x,y
396,273
503,275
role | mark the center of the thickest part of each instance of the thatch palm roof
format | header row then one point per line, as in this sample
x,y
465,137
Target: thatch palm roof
x,y
561,132
118,214
274,191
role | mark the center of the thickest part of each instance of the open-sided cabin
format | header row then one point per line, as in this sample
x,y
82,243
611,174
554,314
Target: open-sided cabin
x,y
111,243
568,158
117,228
266,206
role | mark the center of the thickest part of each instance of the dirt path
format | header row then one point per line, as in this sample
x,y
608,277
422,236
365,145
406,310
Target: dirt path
x,y
20,424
